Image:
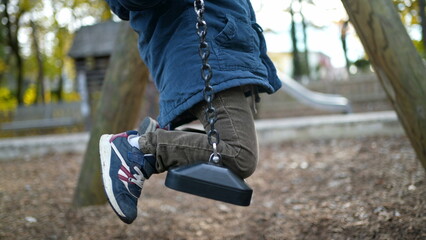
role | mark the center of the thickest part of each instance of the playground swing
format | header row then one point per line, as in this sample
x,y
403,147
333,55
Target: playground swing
x,y
210,180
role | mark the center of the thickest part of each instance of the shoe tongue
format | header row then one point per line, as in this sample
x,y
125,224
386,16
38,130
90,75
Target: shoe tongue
x,y
146,163
136,156
149,165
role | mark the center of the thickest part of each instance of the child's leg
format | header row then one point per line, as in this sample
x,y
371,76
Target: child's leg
x,y
238,141
125,167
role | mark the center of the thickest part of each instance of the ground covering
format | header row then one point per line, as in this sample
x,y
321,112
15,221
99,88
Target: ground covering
x,y
362,188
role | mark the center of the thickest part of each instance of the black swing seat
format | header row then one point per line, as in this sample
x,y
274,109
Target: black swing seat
x,y
210,181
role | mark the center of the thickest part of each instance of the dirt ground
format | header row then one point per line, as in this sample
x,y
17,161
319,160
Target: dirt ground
x,y
365,188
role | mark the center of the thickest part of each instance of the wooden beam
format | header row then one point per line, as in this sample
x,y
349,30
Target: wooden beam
x,y
396,62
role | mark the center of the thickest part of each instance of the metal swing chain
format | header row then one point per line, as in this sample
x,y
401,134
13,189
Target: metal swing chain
x,y
206,74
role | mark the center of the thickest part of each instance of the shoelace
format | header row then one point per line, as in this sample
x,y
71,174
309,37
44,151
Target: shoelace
x,y
138,177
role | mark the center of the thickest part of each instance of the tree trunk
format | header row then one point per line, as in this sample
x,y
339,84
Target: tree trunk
x,y
12,37
422,6
20,76
40,72
399,67
343,35
118,110
307,66
297,65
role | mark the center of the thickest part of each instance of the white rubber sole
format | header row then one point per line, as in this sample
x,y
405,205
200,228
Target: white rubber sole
x,y
105,154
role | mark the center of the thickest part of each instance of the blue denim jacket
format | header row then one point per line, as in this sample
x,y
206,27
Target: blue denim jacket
x,y
168,44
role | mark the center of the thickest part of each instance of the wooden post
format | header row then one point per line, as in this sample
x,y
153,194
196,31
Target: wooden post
x,y
118,110
399,67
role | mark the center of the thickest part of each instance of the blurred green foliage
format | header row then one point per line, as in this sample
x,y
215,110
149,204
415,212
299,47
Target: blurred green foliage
x,y
55,22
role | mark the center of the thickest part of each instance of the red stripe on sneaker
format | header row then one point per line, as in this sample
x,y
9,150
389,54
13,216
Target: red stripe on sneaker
x,y
124,134
122,178
129,174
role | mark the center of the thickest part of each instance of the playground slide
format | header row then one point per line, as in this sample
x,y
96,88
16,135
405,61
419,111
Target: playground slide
x,y
328,102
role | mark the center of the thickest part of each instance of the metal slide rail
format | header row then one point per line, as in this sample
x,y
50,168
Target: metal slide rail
x,y
323,101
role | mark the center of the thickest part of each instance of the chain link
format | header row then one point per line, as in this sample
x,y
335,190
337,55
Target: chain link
x,y
207,74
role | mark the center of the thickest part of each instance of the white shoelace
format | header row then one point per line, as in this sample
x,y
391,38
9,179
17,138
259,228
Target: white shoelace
x,y
138,177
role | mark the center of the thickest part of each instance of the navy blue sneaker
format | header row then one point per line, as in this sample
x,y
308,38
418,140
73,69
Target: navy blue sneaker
x,y
124,170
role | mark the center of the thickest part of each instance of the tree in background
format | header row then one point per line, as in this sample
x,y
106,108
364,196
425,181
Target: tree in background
x,y
413,15
3,43
422,14
40,97
11,18
297,63
343,36
36,36
307,68
301,65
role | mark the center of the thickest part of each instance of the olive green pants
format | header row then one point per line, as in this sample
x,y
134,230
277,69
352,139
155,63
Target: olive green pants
x,y
238,141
